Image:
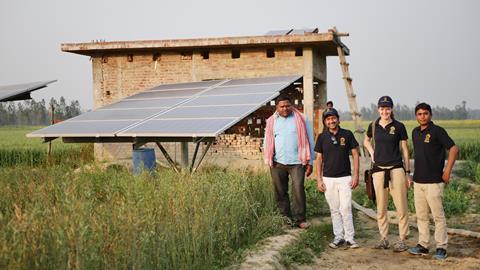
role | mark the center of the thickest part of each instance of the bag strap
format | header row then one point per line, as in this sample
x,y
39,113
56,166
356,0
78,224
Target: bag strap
x,y
373,141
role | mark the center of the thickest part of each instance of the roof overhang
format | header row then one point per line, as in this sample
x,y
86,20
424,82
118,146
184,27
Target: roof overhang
x,y
326,42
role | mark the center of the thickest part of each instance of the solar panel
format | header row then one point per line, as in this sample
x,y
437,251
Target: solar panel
x,y
119,114
21,91
193,127
166,94
200,109
205,111
152,103
83,129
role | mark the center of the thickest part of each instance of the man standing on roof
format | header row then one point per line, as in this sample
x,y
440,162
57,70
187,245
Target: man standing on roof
x,y
334,176
329,104
288,150
430,143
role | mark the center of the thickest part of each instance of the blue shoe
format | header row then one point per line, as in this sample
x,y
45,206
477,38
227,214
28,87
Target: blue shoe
x,y
440,254
418,250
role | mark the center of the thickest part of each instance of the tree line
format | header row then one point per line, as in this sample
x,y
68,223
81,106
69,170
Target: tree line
x,y
405,112
31,112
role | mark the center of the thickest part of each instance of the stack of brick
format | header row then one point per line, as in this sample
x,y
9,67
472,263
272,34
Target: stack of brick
x,y
236,145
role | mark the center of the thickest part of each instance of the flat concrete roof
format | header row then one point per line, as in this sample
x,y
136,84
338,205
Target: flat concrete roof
x,y
325,42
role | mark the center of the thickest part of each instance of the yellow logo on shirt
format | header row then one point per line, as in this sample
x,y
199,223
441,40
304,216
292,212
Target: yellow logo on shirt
x,y
392,130
427,138
342,141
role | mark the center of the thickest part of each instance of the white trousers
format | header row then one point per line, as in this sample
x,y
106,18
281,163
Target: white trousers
x,y
339,199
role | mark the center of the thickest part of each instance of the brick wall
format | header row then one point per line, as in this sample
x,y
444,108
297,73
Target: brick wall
x,y
117,76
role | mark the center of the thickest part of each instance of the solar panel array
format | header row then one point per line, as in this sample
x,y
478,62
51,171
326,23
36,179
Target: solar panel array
x,y
20,91
199,109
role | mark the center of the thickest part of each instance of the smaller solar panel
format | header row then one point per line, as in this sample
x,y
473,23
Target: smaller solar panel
x,y
21,91
303,31
278,32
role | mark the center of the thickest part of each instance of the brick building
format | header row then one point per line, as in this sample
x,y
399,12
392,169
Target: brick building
x,y
122,68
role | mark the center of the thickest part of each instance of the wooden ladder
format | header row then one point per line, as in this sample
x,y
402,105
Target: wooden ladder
x,y
352,100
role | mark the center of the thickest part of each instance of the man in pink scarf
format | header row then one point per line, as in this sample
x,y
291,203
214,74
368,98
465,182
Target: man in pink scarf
x,y
289,151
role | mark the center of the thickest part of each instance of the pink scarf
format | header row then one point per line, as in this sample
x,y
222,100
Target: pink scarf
x,y
302,138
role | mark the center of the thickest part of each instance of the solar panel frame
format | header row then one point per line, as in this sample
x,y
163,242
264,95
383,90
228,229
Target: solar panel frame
x,y
21,91
233,99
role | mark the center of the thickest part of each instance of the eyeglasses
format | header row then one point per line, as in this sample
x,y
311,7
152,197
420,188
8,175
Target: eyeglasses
x,y
334,140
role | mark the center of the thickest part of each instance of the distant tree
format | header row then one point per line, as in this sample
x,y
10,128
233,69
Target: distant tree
x,y
31,112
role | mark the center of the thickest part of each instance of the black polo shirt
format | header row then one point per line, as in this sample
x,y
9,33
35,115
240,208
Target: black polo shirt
x,y
387,142
429,146
336,150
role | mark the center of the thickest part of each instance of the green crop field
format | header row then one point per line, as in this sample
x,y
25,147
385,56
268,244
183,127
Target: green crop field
x,y
465,133
17,149
67,212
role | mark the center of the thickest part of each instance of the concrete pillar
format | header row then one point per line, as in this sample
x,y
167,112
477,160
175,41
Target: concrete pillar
x,y
184,154
308,93
322,100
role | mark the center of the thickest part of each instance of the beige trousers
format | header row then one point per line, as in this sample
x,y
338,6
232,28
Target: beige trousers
x,y
398,191
430,196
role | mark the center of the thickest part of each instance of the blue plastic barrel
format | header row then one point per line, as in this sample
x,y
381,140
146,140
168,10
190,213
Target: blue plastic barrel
x,y
143,159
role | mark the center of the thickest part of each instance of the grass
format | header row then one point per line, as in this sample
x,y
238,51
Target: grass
x,y
465,133
55,218
455,198
471,170
16,149
310,245
316,203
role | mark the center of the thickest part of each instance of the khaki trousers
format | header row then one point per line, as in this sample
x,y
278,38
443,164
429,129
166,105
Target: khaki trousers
x,y
398,191
430,196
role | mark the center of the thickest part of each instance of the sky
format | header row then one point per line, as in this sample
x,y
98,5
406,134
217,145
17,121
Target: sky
x,y
412,50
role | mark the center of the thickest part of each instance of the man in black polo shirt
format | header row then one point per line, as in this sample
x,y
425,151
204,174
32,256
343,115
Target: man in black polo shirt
x,y
334,178
429,143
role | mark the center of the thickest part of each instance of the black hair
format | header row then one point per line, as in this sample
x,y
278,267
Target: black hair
x,y
423,106
282,98
329,102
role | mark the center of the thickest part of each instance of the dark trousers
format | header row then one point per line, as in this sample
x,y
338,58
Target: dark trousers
x,y
280,173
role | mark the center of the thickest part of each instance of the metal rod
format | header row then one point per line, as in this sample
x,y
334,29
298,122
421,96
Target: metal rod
x,y
167,156
202,156
52,121
194,156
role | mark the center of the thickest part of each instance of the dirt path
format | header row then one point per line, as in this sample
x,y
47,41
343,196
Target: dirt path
x,y
464,253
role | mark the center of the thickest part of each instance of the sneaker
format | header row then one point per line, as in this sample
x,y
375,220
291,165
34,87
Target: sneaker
x,y
418,250
304,225
400,246
352,244
440,254
336,243
382,244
